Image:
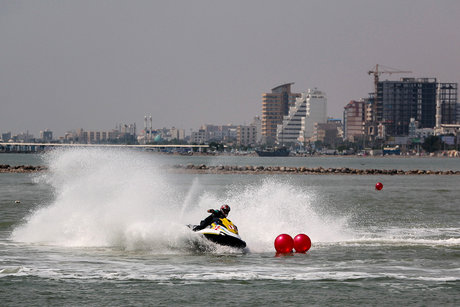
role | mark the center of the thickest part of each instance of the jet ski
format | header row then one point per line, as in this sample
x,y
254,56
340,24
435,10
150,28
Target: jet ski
x,y
222,232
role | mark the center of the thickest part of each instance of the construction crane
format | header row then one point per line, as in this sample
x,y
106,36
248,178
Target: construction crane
x,y
387,70
376,72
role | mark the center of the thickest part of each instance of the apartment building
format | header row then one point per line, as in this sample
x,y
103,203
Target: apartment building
x,y
354,118
275,106
247,135
299,124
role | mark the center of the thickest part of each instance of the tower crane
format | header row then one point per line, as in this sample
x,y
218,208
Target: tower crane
x,y
387,70
376,72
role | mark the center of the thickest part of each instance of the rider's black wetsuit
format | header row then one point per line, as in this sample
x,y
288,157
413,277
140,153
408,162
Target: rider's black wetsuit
x,y
215,216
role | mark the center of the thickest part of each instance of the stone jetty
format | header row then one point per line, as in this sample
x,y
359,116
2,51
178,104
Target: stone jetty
x,y
222,169
250,169
5,168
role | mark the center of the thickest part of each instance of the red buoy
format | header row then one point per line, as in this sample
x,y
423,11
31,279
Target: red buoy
x,y
378,186
284,243
302,243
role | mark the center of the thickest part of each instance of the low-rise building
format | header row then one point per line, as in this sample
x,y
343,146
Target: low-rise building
x,y
199,137
328,133
46,135
247,135
177,134
215,133
6,136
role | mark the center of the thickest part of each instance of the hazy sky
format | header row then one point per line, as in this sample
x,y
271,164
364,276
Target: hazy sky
x,y
92,64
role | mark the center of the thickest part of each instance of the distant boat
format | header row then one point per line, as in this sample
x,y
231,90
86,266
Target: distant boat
x,y
277,152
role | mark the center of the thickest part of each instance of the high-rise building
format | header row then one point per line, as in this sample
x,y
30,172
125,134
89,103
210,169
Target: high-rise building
x,y
458,113
354,118
288,132
399,101
447,97
275,106
316,113
299,124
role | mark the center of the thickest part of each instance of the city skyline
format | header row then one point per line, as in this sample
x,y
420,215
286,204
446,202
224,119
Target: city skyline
x,y
71,65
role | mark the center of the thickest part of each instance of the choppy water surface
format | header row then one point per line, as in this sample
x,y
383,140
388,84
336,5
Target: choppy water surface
x,y
106,227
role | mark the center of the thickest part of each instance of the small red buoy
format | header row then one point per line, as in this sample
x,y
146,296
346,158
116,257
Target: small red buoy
x,y
284,243
302,243
378,186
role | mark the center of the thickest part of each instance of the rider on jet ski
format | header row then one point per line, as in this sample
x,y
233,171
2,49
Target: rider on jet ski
x,y
216,215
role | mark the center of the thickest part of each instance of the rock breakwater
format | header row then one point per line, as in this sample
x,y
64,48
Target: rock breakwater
x,y
5,168
250,169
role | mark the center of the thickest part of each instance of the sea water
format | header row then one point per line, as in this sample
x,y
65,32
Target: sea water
x,y
107,227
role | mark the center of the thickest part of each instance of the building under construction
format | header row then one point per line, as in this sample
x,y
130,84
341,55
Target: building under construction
x,y
393,104
448,103
425,100
399,101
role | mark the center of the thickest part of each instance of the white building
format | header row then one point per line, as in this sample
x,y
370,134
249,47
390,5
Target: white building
x,y
257,122
199,137
299,124
214,133
250,135
288,131
177,134
246,135
316,112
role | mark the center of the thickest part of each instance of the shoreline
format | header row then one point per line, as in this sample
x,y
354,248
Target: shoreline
x,y
258,170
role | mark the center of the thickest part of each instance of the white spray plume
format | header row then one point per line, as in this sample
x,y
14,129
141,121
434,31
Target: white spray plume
x,y
119,198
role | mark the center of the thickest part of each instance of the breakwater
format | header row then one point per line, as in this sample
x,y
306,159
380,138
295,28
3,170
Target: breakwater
x,y
250,169
5,168
222,169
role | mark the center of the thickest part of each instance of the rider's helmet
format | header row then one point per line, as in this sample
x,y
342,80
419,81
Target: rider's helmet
x,y
225,209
